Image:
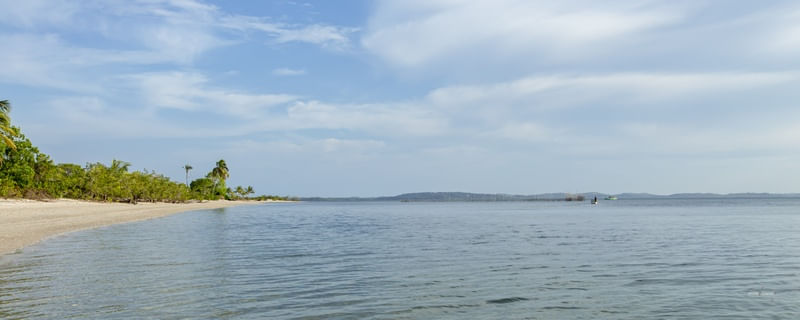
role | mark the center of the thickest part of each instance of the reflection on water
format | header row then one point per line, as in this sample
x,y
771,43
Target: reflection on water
x,y
619,260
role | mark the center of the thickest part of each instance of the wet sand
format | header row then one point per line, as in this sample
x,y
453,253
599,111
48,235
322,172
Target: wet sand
x,y
26,222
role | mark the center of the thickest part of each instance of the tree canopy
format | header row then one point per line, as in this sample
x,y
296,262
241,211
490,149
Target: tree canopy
x,y
7,132
27,172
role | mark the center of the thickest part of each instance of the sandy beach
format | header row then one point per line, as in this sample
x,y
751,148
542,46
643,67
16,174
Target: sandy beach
x,y
25,222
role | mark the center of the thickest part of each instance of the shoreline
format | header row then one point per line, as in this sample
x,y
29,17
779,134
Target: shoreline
x,y
27,222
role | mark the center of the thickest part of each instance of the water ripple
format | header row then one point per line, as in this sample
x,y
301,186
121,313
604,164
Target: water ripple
x,y
624,260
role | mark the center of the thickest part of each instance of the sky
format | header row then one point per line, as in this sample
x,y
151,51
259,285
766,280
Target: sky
x,y
369,98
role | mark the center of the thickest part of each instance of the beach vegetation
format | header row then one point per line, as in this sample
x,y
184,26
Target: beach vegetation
x,y
219,174
273,198
242,192
187,167
220,171
213,187
7,132
203,188
26,172
17,170
239,191
249,190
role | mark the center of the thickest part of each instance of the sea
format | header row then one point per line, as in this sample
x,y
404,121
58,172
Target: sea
x,y
625,259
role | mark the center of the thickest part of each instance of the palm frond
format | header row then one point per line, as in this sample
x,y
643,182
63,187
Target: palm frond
x,y
8,142
5,106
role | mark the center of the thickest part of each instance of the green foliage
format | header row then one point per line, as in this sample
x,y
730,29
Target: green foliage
x,y
203,188
274,198
240,192
220,171
7,132
213,187
187,167
47,177
73,181
17,169
115,183
26,172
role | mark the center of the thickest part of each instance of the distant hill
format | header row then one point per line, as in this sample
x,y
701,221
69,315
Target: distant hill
x,y
450,196
461,196
487,197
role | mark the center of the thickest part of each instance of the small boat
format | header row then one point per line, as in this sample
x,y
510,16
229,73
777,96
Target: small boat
x,y
594,201
611,198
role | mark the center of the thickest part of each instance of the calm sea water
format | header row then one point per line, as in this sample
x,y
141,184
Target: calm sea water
x,y
699,259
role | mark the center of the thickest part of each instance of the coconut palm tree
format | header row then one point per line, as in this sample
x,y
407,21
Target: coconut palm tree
x,y
7,132
119,166
219,174
240,191
228,193
249,190
220,171
187,167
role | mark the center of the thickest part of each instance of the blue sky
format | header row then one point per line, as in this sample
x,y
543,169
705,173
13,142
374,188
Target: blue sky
x,y
340,98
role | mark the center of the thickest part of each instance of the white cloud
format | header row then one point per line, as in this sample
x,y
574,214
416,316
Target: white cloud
x,y
193,27
524,131
94,117
179,44
300,145
288,72
160,31
325,35
501,111
192,92
330,36
461,151
246,113
746,139
48,61
32,13
383,119
786,40
419,32
781,32
561,90
335,145
517,110
29,61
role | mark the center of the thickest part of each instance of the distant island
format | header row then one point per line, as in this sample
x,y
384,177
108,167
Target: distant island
x,y
487,197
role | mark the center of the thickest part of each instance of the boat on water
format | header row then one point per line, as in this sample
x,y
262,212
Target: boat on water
x,y
594,201
611,198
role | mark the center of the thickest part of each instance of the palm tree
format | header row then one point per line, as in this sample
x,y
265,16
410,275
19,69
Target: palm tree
x,y
119,165
249,190
187,167
219,174
7,132
220,171
240,191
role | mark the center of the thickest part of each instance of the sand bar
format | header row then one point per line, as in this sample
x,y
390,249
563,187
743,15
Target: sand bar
x,y
25,222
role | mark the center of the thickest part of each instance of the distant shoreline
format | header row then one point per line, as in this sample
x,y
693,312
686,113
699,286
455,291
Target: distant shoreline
x,y
27,222
502,197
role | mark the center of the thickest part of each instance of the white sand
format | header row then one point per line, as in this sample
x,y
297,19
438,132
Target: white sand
x,y
25,222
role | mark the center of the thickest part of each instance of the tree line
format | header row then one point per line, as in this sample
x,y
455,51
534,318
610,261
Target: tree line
x,y
26,172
